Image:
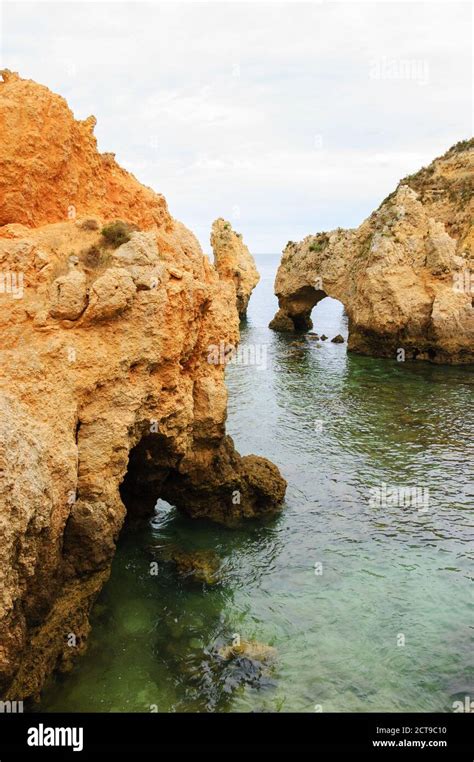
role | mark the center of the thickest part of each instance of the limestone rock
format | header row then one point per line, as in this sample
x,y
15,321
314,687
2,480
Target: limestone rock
x,y
107,398
441,249
234,262
51,171
404,275
198,566
141,250
68,296
110,294
282,322
251,649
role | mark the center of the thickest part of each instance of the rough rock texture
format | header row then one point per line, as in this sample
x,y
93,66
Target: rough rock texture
x,y
107,398
251,649
234,262
200,566
405,276
50,168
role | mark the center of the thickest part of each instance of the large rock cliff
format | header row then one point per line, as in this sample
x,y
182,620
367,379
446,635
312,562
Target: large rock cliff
x,y
107,396
405,276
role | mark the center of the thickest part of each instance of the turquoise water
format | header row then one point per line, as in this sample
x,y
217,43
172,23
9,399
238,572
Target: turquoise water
x,y
335,583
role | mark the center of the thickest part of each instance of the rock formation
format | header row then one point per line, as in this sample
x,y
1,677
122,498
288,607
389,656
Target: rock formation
x,y
57,172
234,262
202,566
405,276
107,397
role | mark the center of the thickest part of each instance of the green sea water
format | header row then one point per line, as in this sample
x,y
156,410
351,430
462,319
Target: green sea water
x,y
369,606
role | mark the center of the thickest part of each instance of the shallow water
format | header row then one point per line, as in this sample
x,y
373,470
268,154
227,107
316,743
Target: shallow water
x,y
335,583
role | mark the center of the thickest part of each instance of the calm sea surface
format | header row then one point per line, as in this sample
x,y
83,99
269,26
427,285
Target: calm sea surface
x,y
368,604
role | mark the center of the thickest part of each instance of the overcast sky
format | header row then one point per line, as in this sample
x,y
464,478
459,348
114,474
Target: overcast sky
x,y
285,118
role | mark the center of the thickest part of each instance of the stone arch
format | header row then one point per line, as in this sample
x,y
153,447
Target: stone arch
x,y
215,483
295,310
206,478
400,275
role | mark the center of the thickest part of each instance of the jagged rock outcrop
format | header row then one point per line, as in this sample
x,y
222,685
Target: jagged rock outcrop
x,y
405,276
234,262
50,169
107,397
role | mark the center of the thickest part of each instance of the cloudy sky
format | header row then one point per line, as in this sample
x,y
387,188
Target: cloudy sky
x,y
285,118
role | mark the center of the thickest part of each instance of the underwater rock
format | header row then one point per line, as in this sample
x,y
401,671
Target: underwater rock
x,y
197,565
248,663
251,649
137,616
243,670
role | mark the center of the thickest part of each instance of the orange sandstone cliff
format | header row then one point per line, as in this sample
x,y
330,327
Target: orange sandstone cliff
x,y
50,167
108,399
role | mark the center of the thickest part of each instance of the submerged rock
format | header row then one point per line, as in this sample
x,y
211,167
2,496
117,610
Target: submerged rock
x,y
243,670
231,667
197,565
137,616
251,649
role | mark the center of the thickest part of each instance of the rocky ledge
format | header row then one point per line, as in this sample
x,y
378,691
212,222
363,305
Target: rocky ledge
x,y
108,400
405,276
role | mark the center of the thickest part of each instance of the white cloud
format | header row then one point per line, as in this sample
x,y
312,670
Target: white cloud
x,y
271,109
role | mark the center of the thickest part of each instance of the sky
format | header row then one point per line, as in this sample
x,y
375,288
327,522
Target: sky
x,y
285,118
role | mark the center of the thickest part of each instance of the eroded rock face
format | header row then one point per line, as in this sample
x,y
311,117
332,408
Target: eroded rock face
x,y
234,262
50,168
107,398
405,276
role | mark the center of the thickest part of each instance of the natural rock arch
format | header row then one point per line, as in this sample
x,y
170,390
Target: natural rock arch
x,y
295,312
405,276
309,272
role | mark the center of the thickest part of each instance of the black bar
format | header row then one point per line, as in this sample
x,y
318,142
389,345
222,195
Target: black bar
x,y
444,735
